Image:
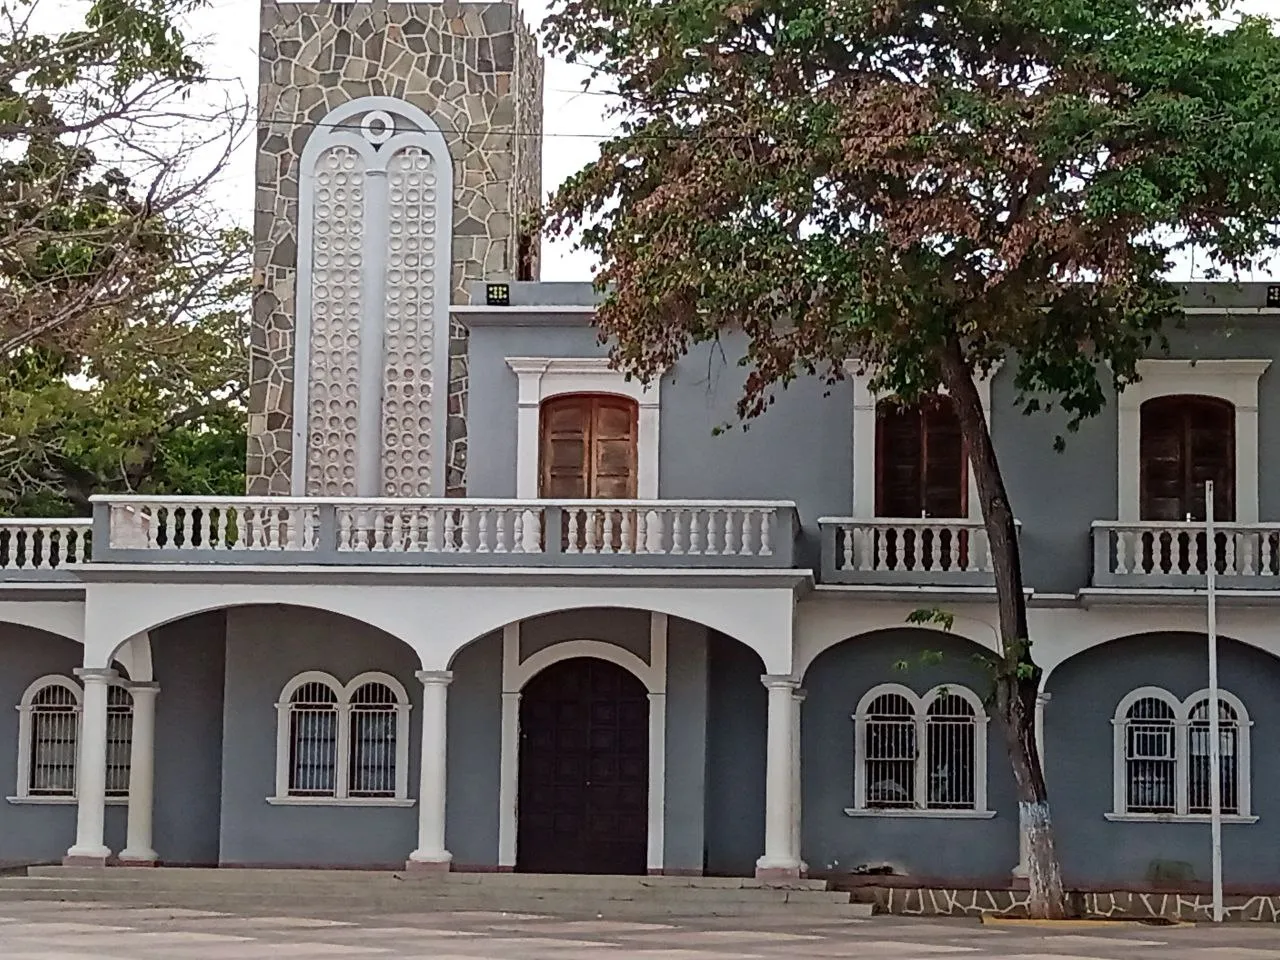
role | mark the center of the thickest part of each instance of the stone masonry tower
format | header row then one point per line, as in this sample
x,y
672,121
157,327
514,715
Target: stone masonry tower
x,y
399,158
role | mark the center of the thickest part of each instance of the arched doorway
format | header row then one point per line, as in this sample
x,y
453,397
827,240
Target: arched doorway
x,y
584,770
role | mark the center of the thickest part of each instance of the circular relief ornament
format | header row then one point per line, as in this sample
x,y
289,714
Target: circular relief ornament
x,y
377,126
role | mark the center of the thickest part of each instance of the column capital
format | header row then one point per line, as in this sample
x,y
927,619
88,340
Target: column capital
x,y
148,688
779,681
96,674
430,678
800,694
1043,697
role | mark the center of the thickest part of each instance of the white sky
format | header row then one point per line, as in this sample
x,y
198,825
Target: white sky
x,y
573,121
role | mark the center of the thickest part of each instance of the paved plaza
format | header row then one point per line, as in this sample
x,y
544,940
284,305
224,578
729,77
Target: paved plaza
x,y
101,931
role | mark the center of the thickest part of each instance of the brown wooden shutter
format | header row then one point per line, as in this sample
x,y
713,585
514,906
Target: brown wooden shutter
x,y
588,447
1185,441
921,468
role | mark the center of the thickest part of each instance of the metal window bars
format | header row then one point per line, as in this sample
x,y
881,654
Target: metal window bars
x,y
313,741
1199,783
372,752
951,753
891,752
119,739
54,733
1150,757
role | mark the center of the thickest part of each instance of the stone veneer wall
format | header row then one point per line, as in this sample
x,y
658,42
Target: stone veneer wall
x,y
475,69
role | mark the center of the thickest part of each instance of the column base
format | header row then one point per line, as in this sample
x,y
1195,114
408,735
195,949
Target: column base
x,y
87,857
142,858
438,864
775,871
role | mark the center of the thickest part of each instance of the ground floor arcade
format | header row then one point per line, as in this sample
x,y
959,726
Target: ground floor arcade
x,y
614,738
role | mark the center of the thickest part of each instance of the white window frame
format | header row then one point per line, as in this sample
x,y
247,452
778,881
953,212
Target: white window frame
x,y
26,708
342,780
1235,381
920,707
1181,757
542,378
865,401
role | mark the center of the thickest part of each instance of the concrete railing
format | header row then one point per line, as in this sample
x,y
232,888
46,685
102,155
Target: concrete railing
x,y
1150,553
457,532
892,551
42,549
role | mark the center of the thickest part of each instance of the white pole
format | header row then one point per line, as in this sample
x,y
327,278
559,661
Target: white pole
x,y
1215,732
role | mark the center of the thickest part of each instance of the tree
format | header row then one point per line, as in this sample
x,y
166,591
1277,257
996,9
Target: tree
x,y
929,187
151,404
105,157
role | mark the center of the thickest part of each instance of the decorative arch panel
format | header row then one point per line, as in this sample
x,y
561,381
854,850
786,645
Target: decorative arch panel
x,y
374,254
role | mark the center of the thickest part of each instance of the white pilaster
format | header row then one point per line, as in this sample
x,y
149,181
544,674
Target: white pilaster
x,y
780,860
658,626
91,771
797,805
142,765
372,347
431,853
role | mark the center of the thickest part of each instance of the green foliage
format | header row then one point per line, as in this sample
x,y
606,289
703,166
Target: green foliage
x,y
150,405
884,179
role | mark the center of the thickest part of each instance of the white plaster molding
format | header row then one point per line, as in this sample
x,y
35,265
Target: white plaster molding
x,y
892,813
658,631
864,438
541,378
919,707
376,150
343,709
1235,381
1182,723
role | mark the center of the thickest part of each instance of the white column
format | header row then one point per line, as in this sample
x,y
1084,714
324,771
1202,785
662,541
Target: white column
x,y
780,861
142,766
91,771
431,854
797,789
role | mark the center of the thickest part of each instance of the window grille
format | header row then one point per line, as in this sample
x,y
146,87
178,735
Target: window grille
x,y
1162,754
891,752
313,741
1151,764
921,753
119,739
951,753
374,718
54,727
1199,783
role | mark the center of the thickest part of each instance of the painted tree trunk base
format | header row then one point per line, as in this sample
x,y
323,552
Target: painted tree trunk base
x,y
1046,898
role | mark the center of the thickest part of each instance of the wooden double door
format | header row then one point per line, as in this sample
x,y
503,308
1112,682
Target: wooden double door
x,y
584,770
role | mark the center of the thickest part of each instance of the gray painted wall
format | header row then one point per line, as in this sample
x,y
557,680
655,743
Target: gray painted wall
x,y
266,647
686,749
801,449
188,659
919,847
737,706
475,743
36,833
1078,748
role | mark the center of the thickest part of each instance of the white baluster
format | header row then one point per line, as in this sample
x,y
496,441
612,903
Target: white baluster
x,y
654,523
432,518
500,517
677,515
710,550
219,538
531,540
344,528
517,539
847,547
1246,551
606,541
1122,551
466,518
413,544
627,544
450,528
695,532
482,530
642,531
1229,551
571,531
591,524
273,527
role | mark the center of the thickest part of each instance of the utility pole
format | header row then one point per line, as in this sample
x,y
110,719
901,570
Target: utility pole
x,y
1215,726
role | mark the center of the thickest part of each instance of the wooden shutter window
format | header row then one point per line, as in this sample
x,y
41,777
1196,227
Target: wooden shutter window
x,y
1185,441
588,447
921,466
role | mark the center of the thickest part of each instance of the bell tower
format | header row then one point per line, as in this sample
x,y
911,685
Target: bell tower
x,y
399,159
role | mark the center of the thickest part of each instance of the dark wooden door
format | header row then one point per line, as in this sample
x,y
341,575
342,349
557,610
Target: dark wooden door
x,y
921,467
584,770
1186,441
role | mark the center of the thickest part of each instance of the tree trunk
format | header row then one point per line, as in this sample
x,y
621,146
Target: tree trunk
x,y
1017,683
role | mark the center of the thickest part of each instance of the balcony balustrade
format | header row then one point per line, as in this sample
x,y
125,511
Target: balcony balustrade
x,y
1151,554
889,552
42,549
445,532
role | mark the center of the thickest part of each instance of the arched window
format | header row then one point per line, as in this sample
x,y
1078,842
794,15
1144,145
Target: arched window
x,y
921,466
1162,768
1187,440
587,447
49,728
49,718
342,744
920,756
